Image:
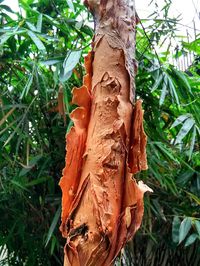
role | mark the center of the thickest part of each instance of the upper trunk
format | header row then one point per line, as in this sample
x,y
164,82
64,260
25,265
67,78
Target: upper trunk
x,y
102,204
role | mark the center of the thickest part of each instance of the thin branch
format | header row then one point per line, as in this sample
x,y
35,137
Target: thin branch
x,y
168,20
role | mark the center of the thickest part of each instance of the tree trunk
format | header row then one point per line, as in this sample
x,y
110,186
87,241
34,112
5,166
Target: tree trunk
x,y
102,206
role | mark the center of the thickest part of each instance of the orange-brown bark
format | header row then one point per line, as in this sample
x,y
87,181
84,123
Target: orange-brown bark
x,y
102,205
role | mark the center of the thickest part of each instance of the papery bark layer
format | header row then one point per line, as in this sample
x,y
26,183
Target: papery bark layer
x,y
102,205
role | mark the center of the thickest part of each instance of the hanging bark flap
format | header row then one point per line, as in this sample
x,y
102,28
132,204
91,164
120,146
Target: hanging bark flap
x,y
137,153
131,215
75,145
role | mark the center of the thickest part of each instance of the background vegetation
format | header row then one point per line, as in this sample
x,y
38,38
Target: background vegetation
x,y
41,58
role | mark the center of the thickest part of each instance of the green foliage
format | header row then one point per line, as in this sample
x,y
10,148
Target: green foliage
x,y
39,48
172,123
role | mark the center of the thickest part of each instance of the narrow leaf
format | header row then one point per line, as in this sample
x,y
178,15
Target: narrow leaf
x,y
37,41
50,62
184,229
6,116
194,197
183,78
167,152
71,5
192,142
190,240
173,90
31,26
12,134
184,177
53,244
53,225
27,87
193,46
4,38
38,181
10,125
175,229
157,83
79,24
39,23
188,124
180,119
19,185
7,8
197,226
64,78
32,163
69,126
163,92
71,61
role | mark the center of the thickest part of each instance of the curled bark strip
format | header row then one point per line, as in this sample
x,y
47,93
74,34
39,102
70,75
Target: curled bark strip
x,y
75,145
102,205
137,154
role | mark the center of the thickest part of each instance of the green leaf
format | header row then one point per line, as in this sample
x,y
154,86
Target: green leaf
x,y
173,90
192,142
165,151
184,228
69,126
64,78
188,124
163,92
183,178
197,226
37,41
52,61
31,26
53,244
158,208
39,23
71,5
4,38
19,185
79,24
175,229
53,225
38,181
157,83
180,119
13,133
194,197
193,46
183,79
5,117
71,61
7,8
66,101
32,163
190,240
27,87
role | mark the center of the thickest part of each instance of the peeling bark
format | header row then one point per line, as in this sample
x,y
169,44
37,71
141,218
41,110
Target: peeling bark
x,y
102,205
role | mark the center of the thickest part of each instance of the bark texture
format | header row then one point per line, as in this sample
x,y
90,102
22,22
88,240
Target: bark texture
x,y
102,205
